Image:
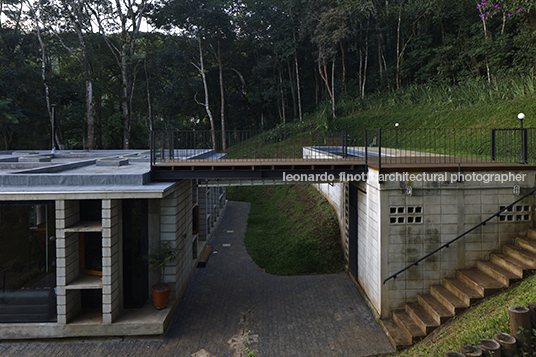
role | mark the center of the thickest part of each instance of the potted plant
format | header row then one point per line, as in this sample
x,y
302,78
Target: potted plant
x,y
158,258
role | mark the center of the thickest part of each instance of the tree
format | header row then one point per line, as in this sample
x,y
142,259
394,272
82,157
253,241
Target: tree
x,y
207,22
73,15
124,16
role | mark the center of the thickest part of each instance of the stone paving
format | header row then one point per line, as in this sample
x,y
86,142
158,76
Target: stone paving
x,y
232,308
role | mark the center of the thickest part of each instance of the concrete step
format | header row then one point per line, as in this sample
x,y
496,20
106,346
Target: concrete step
x,y
520,254
498,273
408,327
509,263
421,317
394,334
462,291
454,304
433,307
479,281
531,233
526,243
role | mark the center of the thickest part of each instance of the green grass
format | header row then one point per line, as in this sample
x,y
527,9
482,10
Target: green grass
x,y
484,321
291,229
502,114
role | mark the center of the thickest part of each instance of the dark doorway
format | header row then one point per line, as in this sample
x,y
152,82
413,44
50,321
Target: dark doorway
x,y
135,246
352,230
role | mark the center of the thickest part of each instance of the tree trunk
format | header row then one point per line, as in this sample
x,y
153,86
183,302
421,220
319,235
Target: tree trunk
x,y
54,138
222,99
298,88
292,90
283,114
322,69
317,88
343,61
125,95
365,66
333,89
201,69
360,54
88,84
149,122
98,126
485,28
398,47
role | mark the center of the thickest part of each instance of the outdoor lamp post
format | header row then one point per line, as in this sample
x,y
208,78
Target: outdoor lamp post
x,y
521,116
524,153
396,134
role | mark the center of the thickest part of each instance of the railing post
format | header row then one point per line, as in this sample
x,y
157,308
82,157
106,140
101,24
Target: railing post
x,y
171,146
380,154
524,140
151,147
344,143
366,148
162,152
493,145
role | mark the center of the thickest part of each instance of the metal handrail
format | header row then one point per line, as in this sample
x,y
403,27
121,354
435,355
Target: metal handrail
x,y
446,245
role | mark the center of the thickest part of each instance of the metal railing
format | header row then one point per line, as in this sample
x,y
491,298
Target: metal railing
x,y
446,245
244,145
375,146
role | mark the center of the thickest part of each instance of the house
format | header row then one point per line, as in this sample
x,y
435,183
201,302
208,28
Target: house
x,y
74,228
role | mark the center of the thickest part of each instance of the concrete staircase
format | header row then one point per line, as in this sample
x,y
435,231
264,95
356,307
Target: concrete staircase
x,y
454,295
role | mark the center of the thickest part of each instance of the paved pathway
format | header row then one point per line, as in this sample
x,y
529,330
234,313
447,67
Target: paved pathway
x,y
231,308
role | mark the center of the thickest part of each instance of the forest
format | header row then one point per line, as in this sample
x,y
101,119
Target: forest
x,y
110,71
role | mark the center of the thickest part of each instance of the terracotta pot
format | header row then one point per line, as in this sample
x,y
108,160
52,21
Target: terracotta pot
x,y
161,295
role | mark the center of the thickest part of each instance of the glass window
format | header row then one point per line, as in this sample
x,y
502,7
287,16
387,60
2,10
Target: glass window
x,y
27,262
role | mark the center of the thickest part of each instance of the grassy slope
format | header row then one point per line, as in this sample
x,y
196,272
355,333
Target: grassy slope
x,y
501,114
291,230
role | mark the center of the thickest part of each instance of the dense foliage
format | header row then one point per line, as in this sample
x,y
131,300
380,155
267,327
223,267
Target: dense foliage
x,y
116,70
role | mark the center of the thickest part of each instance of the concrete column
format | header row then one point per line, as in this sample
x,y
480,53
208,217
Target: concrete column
x,y
112,277
67,260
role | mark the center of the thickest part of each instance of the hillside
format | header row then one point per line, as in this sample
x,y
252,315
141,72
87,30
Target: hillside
x,y
439,107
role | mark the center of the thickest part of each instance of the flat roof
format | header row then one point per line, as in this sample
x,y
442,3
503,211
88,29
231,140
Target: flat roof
x,y
35,174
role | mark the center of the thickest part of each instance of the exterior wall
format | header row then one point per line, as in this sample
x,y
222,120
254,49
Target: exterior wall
x,y
447,210
396,229
212,201
369,242
176,227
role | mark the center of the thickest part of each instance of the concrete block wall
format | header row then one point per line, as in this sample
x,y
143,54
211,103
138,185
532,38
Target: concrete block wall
x,y
204,212
369,245
67,260
112,276
176,227
212,201
447,209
